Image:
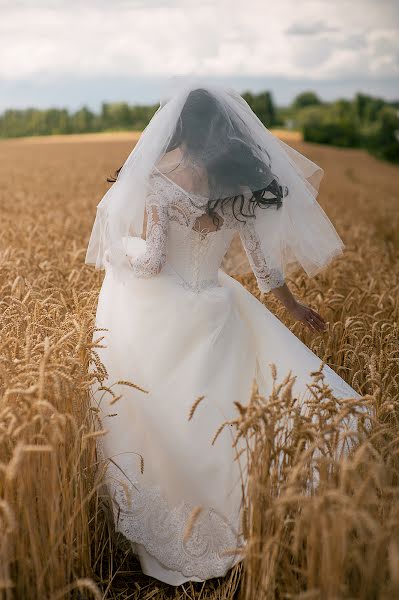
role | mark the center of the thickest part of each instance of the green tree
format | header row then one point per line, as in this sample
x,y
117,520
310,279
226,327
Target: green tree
x,y
307,98
329,125
82,120
382,137
263,106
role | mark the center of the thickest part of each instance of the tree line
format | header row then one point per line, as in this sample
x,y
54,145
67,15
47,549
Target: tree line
x,y
112,117
365,121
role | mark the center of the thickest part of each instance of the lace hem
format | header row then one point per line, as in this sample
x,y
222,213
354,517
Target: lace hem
x,y
269,280
208,548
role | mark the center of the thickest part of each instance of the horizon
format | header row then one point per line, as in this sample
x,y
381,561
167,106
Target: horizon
x,y
149,92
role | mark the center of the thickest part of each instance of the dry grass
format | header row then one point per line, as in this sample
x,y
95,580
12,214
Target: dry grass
x,y
341,542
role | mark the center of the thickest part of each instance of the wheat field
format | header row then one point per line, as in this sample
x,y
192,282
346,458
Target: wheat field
x,y
342,541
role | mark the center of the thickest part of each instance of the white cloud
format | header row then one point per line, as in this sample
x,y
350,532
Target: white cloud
x,y
312,28
43,40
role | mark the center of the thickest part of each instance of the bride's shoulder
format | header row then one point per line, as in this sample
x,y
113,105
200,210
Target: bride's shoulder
x,y
182,172
162,189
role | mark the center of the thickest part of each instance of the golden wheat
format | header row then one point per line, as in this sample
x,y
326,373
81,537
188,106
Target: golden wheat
x,y
55,540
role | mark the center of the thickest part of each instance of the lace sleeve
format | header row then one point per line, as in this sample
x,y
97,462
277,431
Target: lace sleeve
x,y
152,260
266,277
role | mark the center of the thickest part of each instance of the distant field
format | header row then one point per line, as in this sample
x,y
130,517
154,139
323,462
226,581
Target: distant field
x,y
53,536
115,136
102,136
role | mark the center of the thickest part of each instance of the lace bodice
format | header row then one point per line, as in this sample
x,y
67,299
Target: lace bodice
x,y
179,233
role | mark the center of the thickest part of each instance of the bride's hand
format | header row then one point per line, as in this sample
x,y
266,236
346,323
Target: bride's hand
x,y
308,316
300,312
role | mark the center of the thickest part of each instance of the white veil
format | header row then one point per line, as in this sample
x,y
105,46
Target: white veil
x,y
243,159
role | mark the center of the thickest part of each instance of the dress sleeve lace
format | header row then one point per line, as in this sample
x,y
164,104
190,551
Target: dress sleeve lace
x,y
267,278
152,260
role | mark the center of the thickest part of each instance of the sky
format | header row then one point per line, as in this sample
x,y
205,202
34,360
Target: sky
x,y
70,53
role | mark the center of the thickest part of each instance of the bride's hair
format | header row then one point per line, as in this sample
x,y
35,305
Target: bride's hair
x,y
207,136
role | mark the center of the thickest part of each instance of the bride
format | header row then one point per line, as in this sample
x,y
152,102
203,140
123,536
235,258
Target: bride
x,y
179,328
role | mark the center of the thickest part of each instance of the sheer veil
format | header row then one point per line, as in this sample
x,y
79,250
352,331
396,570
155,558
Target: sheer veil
x,y
249,169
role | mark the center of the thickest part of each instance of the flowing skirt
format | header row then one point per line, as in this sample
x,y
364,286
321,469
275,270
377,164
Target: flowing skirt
x,y
176,494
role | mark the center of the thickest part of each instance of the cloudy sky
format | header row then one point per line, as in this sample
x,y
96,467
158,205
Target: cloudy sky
x,y
75,52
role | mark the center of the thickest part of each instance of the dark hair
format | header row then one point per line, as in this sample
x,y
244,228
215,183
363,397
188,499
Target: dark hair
x,y
237,166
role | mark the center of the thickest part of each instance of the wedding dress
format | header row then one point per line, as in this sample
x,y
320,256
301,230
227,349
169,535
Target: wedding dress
x,y
180,329
187,331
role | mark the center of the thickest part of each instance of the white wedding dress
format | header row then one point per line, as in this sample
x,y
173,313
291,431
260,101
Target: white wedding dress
x,y
179,327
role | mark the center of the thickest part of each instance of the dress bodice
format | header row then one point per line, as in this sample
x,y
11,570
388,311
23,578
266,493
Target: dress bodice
x,y
181,234
195,256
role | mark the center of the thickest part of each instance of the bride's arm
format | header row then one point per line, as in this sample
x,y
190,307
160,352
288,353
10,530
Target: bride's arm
x,y
152,260
267,278
272,280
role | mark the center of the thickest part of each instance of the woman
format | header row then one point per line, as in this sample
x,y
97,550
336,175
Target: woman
x,y
180,328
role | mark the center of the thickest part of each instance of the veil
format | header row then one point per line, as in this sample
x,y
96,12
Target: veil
x,y
249,170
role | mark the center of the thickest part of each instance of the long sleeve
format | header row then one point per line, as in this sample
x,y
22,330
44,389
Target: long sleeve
x,y
267,277
152,260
